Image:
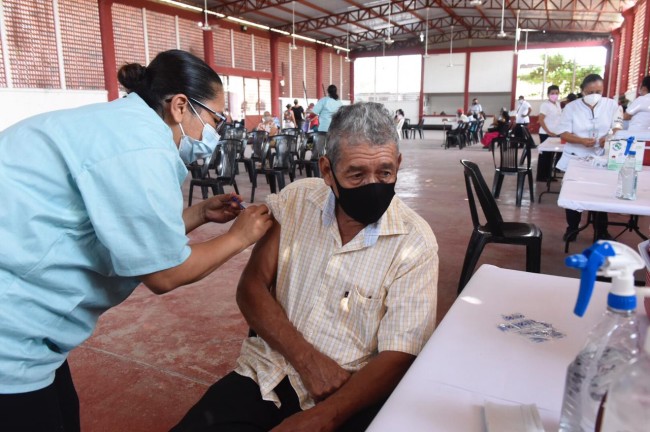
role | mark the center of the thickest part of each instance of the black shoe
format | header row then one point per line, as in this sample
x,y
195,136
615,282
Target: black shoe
x,y
604,235
570,235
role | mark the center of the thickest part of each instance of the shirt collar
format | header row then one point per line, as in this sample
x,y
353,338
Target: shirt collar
x,y
391,222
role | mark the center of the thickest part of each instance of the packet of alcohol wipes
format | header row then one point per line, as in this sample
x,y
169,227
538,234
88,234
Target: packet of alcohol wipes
x,y
535,331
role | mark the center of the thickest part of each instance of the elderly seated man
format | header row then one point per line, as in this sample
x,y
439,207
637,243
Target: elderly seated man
x,y
341,293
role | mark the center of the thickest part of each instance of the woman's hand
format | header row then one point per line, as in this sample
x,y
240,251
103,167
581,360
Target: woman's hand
x,y
221,208
588,142
252,224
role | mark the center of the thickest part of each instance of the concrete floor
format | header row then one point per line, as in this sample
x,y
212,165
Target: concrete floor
x,y
152,357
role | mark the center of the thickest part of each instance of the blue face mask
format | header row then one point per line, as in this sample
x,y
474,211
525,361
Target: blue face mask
x,y
191,150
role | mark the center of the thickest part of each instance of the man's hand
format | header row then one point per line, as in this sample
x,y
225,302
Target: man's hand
x,y
221,208
321,375
587,142
312,420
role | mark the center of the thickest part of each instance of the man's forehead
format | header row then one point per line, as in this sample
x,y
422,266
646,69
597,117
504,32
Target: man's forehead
x,y
352,149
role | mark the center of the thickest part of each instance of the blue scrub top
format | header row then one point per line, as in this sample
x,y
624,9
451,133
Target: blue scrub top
x,y
325,108
91,199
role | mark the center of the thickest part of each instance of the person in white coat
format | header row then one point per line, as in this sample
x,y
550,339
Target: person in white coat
x,y
638,112
584,126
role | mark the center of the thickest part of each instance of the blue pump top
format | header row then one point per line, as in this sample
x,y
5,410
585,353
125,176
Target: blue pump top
x,y
630,141
610,259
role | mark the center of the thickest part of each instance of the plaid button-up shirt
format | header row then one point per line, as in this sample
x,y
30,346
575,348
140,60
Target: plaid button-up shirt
x,y
388,273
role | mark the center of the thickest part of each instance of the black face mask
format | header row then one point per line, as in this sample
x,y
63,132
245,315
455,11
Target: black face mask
x,y
365,204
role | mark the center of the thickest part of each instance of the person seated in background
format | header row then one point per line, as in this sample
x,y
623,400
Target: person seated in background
x,y
267,124
336,327
311,119
500,127
638,112
288,119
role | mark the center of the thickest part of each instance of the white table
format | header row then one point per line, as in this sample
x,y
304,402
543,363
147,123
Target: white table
x,y
552,144
469,361
547,163
588,188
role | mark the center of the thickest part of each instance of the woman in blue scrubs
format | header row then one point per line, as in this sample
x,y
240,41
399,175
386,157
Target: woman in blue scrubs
x,y
92,206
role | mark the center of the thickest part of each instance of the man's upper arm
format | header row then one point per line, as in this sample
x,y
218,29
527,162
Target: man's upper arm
x,y
262,266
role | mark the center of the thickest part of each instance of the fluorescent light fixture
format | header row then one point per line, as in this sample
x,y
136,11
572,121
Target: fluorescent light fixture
x,y
189,7
247,23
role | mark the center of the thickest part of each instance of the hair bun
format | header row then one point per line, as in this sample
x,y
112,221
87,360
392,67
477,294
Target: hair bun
x,y
131,76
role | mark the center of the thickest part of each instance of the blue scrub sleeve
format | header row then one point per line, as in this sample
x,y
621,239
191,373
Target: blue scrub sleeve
x,y
135,204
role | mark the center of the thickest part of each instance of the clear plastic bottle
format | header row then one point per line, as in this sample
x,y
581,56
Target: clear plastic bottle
x,y
612,343
627,178
628,401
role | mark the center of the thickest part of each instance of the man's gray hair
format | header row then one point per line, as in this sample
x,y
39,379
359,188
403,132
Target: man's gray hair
x,y
360,123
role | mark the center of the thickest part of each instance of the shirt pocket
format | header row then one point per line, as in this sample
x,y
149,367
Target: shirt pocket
x,y
362,316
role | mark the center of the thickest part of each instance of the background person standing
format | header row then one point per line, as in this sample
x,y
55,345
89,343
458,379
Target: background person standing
x,y
298,113
326,107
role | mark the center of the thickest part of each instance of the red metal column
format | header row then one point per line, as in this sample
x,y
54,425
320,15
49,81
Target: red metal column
x,y
208,48
515,66
608,70
628,27
275,78
466,97
108,48
616,34
319,71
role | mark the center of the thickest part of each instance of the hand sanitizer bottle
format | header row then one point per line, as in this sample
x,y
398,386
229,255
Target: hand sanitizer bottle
x,y
612,343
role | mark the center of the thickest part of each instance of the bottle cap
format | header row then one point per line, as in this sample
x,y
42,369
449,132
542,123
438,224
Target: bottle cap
x,y
632,153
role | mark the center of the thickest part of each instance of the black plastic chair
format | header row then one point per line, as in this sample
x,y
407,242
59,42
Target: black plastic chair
x,y
223,161
259,143
319,149
276,165
512,162
456,136
419,128
495,230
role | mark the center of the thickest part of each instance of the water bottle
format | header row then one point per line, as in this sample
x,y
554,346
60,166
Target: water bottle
x,y
612,343
628,401
627,178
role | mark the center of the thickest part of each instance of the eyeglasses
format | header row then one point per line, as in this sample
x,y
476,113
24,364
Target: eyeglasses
x,y
220,121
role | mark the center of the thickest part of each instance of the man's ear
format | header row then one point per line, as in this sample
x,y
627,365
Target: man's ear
x,y
178,107
399,161
326,171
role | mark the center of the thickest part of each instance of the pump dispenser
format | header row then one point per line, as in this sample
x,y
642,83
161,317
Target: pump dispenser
x,y
612,343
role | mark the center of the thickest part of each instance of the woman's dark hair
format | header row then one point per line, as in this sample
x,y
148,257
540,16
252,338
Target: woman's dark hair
x,y
551,88
646,82
571,97
170,73
589,79
332,92
288,106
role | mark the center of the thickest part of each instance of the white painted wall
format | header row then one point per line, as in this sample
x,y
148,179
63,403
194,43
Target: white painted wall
x,y
440,78
18,104
411,109
490,72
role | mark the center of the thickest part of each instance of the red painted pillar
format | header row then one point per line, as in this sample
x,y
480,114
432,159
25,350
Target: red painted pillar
x,y
616,46
607,76
208,48
319,71
466,96
275,78
628,27
108,48
515,66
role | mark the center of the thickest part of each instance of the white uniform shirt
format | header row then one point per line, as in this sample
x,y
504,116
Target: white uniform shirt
x,y
522,109
552,113
476,109
639,109
578,119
